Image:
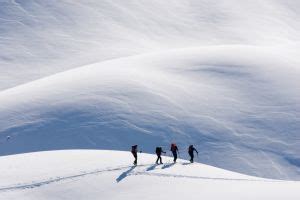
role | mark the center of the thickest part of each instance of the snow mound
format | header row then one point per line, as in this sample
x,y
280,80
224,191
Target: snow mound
x,y
79,174
39,38
223,75
237,104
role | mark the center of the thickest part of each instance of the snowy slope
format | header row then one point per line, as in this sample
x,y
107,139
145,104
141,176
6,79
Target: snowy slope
x,y
242,112
223,75
40,38
109,175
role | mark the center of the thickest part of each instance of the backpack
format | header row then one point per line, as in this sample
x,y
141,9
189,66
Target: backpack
x,y
191,148
133,148
158,150
173,147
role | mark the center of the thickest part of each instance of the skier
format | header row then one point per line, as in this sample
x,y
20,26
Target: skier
x,y
158,153
134,151
191,152
174,150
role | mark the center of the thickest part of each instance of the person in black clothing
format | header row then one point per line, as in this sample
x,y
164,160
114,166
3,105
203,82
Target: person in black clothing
x,y
174,150
134,151
158,153
191,152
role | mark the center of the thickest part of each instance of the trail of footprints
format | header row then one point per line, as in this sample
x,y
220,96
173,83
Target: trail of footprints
x,y
145,170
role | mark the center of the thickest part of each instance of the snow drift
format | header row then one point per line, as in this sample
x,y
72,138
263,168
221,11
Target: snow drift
x,y
107,174
221,75
40,38
239,115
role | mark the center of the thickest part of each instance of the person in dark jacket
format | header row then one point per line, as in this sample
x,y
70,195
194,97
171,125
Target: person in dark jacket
x,y
191,152
174,150
158,152
134,151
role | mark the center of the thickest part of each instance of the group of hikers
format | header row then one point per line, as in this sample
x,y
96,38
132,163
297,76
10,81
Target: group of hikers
x,y
159,151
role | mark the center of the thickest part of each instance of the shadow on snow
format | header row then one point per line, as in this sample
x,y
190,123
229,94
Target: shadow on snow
x,y
125,174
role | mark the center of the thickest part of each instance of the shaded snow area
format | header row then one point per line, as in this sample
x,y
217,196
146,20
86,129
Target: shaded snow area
x,y
242,112
108,74
109,175
39,38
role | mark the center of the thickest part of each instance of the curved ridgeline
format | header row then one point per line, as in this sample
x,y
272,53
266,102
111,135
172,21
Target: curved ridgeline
x,y
222,76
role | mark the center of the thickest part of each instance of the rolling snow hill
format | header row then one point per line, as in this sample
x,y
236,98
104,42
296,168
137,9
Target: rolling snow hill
x,y
223,75
232,108
108,175
39,38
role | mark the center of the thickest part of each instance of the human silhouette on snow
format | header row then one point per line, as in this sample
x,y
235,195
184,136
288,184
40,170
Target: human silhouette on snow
x,y
134,151
158,152
191,152
174,150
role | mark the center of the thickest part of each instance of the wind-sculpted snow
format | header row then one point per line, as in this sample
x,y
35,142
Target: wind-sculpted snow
x,y
222,75
39,38
238,104
83,174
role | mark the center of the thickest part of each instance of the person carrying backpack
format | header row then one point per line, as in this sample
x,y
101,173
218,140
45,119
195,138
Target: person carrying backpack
x,y
134,151
174,150
191,152
158,152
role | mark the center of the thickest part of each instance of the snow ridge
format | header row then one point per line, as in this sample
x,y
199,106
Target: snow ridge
x,y
108,174
223,76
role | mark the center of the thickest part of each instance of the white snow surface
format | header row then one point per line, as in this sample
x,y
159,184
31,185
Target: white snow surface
x,y
88,174
107,74
39,38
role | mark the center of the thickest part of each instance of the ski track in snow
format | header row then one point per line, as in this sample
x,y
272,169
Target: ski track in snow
x,y
199,177
127,173
53,180
223,76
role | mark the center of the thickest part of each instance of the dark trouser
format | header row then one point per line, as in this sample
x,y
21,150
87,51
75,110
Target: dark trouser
x,y
135,157
174,155
158,159
192,156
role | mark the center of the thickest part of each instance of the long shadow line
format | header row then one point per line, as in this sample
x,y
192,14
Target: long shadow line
x,y
53,180
121,177
202,177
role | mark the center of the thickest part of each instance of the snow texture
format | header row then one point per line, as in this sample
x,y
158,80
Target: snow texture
x,y
108,175
222,75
